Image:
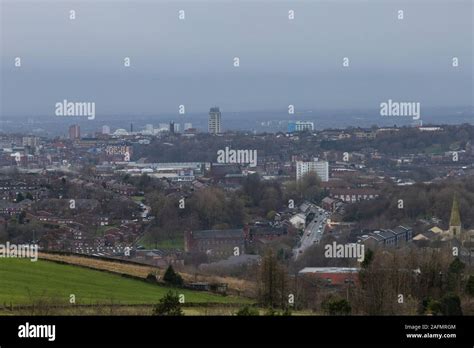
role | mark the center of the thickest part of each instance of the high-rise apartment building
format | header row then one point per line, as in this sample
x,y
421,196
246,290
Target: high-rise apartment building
x,y
321,168
214,125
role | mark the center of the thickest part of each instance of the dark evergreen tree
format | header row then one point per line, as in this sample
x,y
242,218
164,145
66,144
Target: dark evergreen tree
x,y
172,277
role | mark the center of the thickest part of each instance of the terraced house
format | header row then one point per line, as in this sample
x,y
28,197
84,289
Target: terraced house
x,y
387,237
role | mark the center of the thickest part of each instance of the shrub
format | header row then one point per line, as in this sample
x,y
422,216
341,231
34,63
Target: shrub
x,y
248,311
451,305
334,306
169,305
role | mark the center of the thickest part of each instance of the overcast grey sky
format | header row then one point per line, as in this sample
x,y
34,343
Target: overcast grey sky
x,y
190,62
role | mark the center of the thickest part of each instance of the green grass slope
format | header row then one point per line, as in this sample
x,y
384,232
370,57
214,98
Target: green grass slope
x,y
24,282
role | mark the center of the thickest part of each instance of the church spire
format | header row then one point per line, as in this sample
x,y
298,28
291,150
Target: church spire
x,y
455,220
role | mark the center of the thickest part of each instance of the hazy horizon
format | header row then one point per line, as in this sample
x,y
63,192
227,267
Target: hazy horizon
x,y
190,62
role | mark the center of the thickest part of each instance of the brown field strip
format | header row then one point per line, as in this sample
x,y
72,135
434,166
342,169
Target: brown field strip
x,y
235,285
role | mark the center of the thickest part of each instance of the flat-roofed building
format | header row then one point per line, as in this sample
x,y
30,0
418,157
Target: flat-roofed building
x,y
332,276
387,237
321,168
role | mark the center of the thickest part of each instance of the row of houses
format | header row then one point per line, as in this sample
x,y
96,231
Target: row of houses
x,y
352,195
387,237
70,237
11,209
113,185
85,219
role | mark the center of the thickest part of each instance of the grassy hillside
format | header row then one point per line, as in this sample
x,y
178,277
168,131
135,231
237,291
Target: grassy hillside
x,y
235,285
24,282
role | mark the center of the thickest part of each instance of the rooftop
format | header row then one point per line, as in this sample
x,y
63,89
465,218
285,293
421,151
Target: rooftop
x,y
329,270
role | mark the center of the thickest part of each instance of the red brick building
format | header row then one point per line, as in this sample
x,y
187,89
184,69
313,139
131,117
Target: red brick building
x,y
332,276
217,244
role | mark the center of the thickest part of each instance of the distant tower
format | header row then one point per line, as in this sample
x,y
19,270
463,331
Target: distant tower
x,y
214,125
172,128
455,220
131,127
74,132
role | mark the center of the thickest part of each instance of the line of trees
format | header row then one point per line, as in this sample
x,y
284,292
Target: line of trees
x,y
413,281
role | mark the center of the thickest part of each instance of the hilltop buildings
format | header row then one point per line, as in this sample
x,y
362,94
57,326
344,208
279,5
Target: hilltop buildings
x,y
300,126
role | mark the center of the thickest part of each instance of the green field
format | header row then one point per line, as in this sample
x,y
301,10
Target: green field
x,y
138,198
23,282
176,243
